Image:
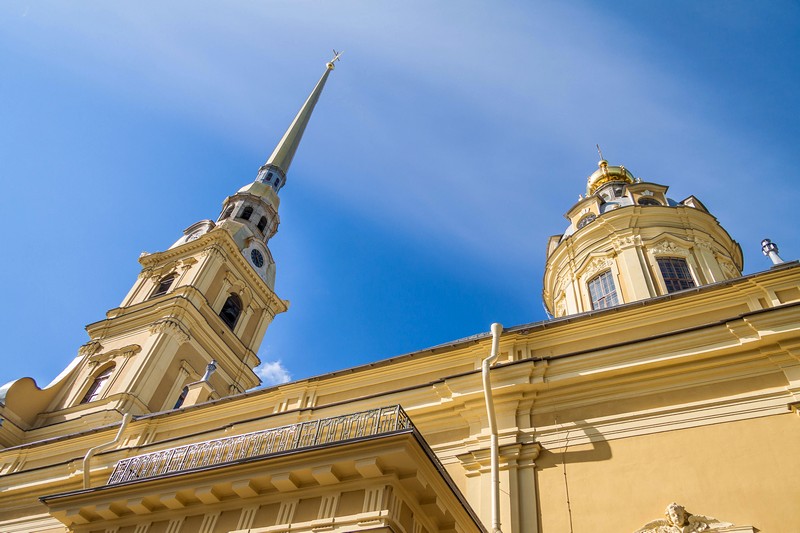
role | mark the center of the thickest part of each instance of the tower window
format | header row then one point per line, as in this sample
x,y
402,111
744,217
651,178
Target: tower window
x,y
676,273
231,310
228,212
163,285
97,385
277,182
648,201
602,291
269,176
246,213
262,223
181,398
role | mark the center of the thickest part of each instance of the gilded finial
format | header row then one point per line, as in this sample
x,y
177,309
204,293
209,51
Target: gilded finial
x,y
602,164
336,56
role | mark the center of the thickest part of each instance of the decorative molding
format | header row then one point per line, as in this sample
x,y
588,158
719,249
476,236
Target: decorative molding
x,y
667,247
125,351
171,327
678,520
90,348
647,192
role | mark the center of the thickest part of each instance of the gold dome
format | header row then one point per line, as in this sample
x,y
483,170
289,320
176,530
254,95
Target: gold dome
x,y
606,174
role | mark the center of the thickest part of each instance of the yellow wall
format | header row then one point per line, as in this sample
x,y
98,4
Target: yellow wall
x,y
742,472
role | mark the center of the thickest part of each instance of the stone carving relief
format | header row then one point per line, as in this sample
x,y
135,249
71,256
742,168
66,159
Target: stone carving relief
x,y
647,192
666,247
596,265
678,520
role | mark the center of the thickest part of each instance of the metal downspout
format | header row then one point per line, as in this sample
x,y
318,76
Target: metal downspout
x,y
88,457
497,329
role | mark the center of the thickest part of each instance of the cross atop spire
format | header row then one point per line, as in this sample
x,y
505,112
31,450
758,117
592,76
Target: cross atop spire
x,y
273,172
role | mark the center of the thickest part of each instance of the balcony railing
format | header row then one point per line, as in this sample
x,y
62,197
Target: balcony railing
x,y
261,443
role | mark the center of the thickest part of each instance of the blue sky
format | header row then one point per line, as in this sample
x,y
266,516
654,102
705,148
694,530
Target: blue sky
x,y
448,144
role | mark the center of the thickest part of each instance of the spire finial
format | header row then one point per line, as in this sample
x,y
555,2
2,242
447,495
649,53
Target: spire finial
x,y
336,57
599,151
273,172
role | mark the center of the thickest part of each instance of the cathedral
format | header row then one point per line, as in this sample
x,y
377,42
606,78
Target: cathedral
x,y
662,395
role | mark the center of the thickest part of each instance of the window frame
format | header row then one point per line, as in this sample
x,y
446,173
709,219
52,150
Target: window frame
x,y
98,385
172,276
232,298
608,277
246,213
671,284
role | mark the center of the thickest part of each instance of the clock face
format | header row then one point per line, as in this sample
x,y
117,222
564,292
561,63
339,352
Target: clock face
x,y
257,258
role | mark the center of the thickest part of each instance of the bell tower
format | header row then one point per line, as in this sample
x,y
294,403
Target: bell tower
x,y
191,325
628,241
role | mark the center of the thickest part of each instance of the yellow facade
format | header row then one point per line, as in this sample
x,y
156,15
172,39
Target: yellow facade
x,y
605,414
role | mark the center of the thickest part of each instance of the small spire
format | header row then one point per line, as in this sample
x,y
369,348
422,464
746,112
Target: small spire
x,y
275,169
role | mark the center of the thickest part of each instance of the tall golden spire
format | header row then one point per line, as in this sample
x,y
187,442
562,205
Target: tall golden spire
x,y
275,169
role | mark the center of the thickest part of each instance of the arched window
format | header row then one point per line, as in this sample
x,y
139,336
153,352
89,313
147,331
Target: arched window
x,y
228,212
602,291
97,385
163,285
648,201
262,223
246,212
181,398
231,310
676,273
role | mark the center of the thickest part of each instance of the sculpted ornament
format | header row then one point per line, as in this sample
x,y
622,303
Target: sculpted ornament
x,y
728,268
596,265
666,247
170,327
625,242
678,520
126,351
89,349
561,307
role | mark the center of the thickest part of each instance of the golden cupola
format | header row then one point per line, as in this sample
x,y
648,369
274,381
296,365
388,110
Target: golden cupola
x,y
607,174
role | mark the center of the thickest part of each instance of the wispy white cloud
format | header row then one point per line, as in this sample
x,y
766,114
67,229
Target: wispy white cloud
x,y
273,373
